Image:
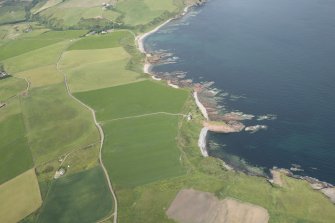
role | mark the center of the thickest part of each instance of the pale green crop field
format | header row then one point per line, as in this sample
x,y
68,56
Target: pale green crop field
x,y
95,69
42,76
19,197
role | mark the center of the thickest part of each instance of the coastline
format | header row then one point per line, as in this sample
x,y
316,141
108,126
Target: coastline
x,y
316,184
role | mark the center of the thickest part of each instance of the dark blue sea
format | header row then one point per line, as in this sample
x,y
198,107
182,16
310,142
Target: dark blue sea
x,y
267,57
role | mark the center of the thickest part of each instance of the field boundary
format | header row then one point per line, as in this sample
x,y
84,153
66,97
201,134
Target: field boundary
x,y
144,115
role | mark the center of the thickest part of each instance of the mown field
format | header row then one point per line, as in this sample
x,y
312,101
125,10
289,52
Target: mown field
x,y
19,197
82,197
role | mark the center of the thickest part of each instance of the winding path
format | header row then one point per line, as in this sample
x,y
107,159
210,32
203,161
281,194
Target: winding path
x,y
102,137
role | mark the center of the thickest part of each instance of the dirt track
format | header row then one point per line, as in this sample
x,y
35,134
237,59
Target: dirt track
x,y
192,206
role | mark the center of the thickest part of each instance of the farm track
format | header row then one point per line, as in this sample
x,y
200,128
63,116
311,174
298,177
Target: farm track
x,y
102,137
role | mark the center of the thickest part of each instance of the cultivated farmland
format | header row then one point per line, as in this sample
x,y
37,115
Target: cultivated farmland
x,y
94,69
10,87
82,197
58,126
15,157
125,100
19,197
142,150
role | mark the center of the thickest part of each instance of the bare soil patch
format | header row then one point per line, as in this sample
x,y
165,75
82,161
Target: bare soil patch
x,y
191,206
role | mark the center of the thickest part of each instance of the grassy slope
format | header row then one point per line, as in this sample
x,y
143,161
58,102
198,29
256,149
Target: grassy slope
x,y
19,197
83,197
12,13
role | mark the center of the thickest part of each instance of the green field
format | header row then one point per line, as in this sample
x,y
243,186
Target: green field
x,y
142,150
134,99
19,197
15,157
100,42
10,87
56,124
12,12
138,12
24,45
42,76
94,69
83,197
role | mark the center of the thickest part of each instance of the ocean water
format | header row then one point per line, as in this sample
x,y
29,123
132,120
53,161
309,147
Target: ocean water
x,y
267,57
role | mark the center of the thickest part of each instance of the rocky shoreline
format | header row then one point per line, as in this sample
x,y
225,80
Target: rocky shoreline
x,y
215,121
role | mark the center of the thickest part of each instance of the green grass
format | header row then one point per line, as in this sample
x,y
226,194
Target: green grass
x,y
83,197
24,45
95,69
134,99
34,59
10,87
42,76
56,124
19,197
12,13
100,42
15,157
142,150
138,12
66,17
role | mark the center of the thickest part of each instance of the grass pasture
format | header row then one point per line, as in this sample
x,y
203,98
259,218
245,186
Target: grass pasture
x,y
100,42
24,45
15,157
56,124
42,76
12,12
142,150
94,69
82,197
10,87
134,99
36,58
141,12
19,197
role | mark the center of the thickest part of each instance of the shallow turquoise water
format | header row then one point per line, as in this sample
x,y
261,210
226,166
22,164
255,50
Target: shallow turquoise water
x,y
268,57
